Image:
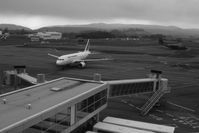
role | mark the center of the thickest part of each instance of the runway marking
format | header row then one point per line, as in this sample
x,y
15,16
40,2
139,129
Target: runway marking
x,y
185,123
189,121
173,125
181,121
194,117
131,105
195,126
138,108
185,86
181,106
193,123
134,106
169,115
184,117
156,117
123,101
159,111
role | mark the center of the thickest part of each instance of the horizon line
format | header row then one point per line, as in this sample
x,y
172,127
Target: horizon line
x,y
82,24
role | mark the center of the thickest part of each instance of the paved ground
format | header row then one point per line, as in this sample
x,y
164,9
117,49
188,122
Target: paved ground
x,y
132,59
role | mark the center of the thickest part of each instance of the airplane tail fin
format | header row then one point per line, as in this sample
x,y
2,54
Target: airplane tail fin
x,y
87,46
55,56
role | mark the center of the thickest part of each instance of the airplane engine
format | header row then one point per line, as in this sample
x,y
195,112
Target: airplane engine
x,y
82,64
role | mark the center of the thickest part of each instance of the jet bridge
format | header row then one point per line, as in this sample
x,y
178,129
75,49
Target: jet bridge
x,y
27,78
155,84
120,88
19,77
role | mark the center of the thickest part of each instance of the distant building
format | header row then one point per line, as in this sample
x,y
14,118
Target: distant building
x,y
45,36
50,35
34,38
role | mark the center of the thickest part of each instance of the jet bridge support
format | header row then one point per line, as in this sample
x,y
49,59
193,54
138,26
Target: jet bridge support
x,y
161,89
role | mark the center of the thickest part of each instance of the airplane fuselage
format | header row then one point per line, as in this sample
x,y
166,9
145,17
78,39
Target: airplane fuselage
x,y
72,58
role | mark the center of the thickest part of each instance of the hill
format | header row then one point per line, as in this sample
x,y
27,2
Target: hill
x,y
127,28
150,29
13,27
68,29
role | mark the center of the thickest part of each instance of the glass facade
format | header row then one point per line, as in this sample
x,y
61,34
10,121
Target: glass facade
x,y
90,104
61,121
54,124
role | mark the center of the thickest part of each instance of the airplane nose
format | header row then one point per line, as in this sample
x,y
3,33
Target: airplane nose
x,y
58,62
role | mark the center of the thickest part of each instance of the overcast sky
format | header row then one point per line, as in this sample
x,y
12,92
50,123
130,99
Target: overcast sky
x,y
38,13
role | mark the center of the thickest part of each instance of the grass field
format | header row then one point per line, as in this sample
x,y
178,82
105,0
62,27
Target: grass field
x,y
132,59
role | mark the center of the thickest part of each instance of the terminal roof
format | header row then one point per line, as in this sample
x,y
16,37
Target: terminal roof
x,y
16,107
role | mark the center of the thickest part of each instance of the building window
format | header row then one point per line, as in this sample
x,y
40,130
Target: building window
x,y
130,88
90,104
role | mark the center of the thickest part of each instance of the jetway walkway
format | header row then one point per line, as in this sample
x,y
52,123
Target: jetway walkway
x,y
19,77
27,78
120,88
156,85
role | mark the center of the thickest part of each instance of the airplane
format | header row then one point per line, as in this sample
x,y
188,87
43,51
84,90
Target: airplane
x,y
78,58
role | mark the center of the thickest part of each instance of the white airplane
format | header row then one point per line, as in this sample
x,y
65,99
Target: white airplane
x,y
78,58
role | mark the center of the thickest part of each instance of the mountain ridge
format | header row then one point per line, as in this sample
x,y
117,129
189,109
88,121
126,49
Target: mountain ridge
x,y
13,27
151,29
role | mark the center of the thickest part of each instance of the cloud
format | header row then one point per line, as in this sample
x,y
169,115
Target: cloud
x,y
168,12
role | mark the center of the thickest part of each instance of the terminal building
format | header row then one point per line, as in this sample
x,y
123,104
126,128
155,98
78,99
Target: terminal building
x,y
45,36
68,105
50,35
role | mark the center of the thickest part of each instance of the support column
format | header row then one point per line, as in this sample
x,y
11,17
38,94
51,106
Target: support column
x,y
72,115
157,75
97,116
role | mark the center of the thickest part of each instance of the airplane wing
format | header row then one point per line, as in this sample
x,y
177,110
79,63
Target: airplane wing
x,y
91,60
96,52
55,56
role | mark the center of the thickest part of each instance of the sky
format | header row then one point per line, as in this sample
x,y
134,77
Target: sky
x,y
38,13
